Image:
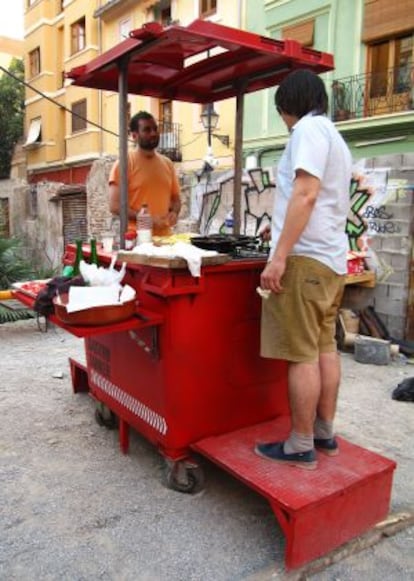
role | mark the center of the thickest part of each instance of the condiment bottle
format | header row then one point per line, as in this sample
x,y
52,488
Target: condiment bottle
x,y
130,238
144,225
78,257
94,252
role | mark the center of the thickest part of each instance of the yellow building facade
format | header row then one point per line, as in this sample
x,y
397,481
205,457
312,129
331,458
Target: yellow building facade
x,y
68,127
10,48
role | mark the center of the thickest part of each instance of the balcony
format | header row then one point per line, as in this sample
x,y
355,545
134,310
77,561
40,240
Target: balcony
x,y
370,95
170,140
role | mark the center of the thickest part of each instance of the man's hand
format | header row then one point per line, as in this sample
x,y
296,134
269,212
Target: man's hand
x,y
271,277
266,233
172,217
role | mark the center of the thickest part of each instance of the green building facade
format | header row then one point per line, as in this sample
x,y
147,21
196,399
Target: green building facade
x,y
371,89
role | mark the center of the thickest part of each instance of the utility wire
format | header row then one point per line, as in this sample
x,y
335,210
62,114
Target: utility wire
x,y
29,86
55,102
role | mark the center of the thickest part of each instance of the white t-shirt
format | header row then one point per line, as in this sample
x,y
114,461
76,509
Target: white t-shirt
x,y
316,147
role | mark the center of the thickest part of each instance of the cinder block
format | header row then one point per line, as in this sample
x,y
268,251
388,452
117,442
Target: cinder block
x,y
382,290
391,308
388,161
396,326
394,243
407,161
397,292
400,261
398,276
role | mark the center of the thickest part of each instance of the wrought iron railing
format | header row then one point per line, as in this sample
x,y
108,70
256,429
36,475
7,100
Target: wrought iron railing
x,y
373,94
170,140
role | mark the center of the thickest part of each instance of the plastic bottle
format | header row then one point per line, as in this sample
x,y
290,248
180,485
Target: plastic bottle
x,y
228,223
78,257
94,252
144,225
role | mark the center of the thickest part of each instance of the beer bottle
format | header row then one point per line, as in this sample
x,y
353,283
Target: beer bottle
x,y
78,257
94,252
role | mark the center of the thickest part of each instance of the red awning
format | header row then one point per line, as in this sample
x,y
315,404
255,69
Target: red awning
x,y
200,63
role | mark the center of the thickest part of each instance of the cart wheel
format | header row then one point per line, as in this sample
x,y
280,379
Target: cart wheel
x,y
105,417
184,476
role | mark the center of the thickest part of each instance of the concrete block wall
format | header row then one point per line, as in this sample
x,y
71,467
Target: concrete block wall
x,y
393,245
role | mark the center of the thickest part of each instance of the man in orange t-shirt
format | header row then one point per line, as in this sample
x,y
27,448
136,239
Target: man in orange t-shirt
x,y
152,179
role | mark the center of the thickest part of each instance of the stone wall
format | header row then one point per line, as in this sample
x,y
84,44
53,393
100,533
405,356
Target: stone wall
x,y
37,222
99,217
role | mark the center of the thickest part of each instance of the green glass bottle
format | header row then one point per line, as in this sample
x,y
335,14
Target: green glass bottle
x,y
78,258
94,252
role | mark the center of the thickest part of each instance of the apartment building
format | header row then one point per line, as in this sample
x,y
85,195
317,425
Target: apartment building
x,y
371,89
69,127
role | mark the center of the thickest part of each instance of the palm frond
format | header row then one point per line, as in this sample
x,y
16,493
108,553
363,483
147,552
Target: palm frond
x,y
10,316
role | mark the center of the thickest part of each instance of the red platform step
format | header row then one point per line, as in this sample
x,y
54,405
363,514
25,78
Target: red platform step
x,y
317,510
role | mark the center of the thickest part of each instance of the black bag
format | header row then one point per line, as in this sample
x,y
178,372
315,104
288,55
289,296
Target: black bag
x,y
43,304
404,390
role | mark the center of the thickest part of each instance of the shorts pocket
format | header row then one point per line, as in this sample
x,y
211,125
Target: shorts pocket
x,y
313,288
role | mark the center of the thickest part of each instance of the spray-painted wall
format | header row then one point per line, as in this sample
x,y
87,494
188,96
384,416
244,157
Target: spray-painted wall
x,y
380,223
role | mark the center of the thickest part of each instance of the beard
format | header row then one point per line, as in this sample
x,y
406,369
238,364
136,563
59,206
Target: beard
x,y
149,144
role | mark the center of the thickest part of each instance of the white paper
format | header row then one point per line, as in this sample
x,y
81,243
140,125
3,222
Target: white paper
x,y
85,297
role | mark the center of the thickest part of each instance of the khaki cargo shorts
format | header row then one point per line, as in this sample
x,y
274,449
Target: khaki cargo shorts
x,y
299,323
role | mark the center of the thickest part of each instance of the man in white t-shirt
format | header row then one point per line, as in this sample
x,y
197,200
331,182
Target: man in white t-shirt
x,y
307,267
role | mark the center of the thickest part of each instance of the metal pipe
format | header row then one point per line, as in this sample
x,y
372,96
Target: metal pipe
x,y
123,146
238,158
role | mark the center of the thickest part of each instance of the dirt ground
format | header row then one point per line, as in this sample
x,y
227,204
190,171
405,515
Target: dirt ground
x,y
74,508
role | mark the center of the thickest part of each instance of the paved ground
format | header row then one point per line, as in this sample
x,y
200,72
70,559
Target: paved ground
x,y
73,508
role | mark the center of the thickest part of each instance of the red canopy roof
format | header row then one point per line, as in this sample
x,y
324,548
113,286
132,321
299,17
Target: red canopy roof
x,y
200,63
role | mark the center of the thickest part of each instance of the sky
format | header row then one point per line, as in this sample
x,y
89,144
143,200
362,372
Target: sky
x,y
11,21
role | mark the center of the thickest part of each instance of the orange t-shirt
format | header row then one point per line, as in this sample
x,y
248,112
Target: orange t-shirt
x,y
151,181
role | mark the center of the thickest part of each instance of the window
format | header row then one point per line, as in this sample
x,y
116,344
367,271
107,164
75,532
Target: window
x,y
207,7
79,122
390,64
166,16
165,112
124,27
78,36
34,62
34,135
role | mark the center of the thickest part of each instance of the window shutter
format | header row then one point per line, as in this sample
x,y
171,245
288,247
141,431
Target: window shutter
x,y
384,19
302,32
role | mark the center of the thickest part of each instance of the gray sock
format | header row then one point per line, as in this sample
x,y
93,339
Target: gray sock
x,y
297,443
322,429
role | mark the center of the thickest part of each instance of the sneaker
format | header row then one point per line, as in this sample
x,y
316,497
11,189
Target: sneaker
x,y
327,446
274,451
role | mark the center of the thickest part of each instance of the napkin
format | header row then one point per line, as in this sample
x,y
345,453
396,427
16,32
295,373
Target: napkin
x,y
85,297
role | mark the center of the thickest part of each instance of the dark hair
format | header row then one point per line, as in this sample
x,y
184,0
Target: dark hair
x,y
135,119
301,92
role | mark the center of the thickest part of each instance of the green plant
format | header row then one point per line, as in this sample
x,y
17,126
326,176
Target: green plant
x,y
11,113
12,315
13,267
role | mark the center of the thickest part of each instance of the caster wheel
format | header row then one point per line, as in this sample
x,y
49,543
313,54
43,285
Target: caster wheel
x,y
184,476
105,417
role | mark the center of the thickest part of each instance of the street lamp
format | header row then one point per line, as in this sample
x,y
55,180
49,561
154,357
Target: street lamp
x,y
209,118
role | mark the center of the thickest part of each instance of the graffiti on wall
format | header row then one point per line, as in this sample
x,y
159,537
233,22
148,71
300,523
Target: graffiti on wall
x,y
256,203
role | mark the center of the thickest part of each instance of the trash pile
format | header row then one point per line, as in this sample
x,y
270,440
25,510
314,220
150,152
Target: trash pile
x,y
367,334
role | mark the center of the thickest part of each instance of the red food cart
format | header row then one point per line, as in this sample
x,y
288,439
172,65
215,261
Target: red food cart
x,y
185,371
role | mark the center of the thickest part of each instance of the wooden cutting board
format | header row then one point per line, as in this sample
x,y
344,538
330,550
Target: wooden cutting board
x,y
166,262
